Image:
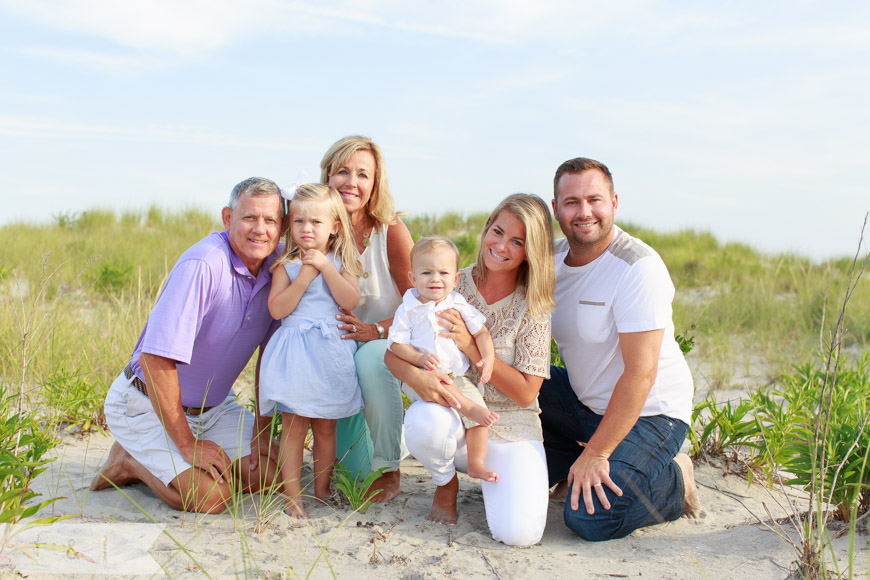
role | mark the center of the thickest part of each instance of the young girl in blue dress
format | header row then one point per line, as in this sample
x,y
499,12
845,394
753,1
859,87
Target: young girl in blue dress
x,y
307,372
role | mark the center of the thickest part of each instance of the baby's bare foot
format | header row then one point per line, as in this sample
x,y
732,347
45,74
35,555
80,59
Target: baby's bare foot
x,y
481,415
294,508
482,473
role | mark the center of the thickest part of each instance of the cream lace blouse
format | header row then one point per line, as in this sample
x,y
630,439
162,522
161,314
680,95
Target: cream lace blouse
x,y
522,342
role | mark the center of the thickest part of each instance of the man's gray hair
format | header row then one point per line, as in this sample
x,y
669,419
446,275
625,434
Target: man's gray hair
x,y
253,186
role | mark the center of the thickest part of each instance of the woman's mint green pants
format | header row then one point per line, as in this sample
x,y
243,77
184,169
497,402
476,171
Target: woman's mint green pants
x,y
372,438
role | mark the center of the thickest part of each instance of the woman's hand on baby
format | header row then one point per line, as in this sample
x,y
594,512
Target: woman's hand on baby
x,y
454,327
315,258
433,389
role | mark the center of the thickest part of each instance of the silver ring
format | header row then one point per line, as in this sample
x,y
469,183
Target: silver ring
x,y
452,328
597,484
353,327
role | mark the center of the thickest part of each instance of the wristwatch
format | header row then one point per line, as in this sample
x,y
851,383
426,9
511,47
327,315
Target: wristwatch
x,y
380,330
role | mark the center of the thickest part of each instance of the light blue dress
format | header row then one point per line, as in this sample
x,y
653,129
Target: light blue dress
x,y
307,368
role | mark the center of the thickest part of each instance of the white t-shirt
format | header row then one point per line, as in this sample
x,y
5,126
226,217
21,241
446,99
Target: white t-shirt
x,y
626,289
416,323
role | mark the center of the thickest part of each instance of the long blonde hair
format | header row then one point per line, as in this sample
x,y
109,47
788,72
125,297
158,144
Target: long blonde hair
x,y
537,274
381,207
340,243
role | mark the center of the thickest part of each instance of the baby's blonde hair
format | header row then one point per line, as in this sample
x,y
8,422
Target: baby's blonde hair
x,y
340,243
427,245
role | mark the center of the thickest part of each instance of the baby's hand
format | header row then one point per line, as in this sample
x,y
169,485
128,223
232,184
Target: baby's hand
x,y
485,366
315,258
428,361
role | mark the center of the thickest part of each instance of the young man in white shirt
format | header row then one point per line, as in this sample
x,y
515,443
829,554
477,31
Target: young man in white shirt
x,y
615,418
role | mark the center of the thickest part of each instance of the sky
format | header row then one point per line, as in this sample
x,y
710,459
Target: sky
x,y
746,119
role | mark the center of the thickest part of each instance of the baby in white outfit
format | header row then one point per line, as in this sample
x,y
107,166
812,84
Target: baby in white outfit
x,y
416,337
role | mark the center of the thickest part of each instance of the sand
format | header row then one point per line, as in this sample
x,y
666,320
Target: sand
x,y
118,535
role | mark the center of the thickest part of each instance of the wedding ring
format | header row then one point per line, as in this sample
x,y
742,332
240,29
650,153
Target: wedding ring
x,y
597,484
353,327
452,328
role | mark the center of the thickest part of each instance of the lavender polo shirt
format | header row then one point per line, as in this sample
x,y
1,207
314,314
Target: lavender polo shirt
x,y
210,317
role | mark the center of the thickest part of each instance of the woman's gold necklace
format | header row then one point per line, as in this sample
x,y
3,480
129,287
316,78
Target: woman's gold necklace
x,y
366,236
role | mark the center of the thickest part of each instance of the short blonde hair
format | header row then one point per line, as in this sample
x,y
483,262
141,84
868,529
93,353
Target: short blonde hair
x,y
341,243
537,275
381,207
430,244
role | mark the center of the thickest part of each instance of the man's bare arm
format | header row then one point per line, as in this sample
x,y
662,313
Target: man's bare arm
x,y
640,353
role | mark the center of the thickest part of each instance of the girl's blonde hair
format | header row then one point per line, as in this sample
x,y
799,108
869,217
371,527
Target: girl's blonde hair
x,y
381,207
537,275
340,243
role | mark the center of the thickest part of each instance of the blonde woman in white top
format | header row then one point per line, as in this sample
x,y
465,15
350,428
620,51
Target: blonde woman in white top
x,y
372,439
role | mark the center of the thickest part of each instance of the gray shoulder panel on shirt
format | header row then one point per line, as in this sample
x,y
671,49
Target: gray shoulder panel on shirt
x,y
629,249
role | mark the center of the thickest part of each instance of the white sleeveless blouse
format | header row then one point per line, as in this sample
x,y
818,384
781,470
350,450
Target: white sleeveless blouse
x,y
379,295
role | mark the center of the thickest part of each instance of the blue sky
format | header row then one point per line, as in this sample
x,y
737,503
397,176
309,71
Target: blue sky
x,y
747,119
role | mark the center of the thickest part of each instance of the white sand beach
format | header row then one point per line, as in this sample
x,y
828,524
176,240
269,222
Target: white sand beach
x,y
132,534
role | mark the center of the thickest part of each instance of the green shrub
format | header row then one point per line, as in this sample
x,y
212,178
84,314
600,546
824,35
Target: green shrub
x,y
777,429
113,277
74,399
358,493
844,440
724,425
24,443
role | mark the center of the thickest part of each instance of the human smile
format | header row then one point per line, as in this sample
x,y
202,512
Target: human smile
x,y
585,225
496,257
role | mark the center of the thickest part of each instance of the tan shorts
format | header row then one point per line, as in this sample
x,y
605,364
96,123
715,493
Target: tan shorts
x,y
135,425
474,392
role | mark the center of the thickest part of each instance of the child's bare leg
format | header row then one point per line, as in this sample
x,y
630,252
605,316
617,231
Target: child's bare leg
x,y
324,454
472,410
476,440
295,428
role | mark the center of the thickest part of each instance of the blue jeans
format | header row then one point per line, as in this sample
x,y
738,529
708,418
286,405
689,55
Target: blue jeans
x,y
372,438
642,464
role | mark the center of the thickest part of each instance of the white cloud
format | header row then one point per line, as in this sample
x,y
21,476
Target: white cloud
x,y
51,129
175,26
193,27
113,64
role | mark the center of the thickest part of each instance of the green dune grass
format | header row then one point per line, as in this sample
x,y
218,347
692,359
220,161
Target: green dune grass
x,y
110,268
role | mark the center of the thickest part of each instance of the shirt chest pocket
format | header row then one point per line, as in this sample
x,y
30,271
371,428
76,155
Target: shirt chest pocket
x,y
594,321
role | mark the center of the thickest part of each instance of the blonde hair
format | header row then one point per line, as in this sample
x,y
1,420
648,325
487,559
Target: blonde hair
x,y
340,243
430,244
537,275
381,207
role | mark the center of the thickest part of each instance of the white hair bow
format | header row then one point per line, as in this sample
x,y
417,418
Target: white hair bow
x,y
290,192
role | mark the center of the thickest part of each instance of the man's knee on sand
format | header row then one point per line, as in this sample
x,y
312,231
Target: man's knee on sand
x,y
200,493
601,526
596,531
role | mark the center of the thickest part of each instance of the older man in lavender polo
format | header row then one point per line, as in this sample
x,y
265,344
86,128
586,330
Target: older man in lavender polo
x,y
176,423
